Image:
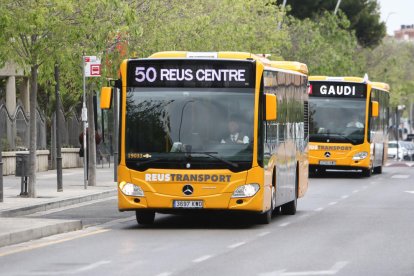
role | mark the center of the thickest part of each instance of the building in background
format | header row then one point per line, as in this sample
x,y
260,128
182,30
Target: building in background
x,y
406,33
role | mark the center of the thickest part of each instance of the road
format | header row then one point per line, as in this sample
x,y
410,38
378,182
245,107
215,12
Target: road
x,y
345,225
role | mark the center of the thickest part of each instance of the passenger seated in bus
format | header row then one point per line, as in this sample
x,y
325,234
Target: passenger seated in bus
x,y
235,135
355,122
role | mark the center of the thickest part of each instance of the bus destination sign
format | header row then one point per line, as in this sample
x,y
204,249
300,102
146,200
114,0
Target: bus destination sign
x,y
190,73
338,89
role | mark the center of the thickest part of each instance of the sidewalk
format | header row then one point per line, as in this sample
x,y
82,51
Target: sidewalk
x,y
15,228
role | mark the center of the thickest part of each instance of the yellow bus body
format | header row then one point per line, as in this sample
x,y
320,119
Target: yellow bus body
x,y
342,153
215,193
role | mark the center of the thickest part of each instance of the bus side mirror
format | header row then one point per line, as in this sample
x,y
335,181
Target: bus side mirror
x,y
106,97
375,109
271,107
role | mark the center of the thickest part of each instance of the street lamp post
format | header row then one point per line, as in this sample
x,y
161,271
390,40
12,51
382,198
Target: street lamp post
x,y
279,25
337,6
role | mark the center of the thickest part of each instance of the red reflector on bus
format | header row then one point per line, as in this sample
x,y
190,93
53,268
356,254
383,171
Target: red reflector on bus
x,y
310,89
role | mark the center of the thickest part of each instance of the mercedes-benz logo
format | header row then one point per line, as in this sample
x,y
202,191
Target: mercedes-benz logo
x,y
188,189
327,154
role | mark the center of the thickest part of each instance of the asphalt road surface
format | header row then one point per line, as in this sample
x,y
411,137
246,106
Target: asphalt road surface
x,y
345,225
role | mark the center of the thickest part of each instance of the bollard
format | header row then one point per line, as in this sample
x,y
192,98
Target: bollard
x,y
1,176
22,169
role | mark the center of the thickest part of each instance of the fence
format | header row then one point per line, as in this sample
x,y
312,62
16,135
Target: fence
x,y
14,129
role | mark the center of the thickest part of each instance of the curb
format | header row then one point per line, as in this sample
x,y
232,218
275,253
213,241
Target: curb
x,y
27,210
56,227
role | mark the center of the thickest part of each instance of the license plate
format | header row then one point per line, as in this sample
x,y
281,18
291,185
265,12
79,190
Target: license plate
x,y
327,163
189,204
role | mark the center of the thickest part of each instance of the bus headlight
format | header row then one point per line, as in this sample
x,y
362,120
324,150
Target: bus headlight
x,y
247,190
131,189
360,155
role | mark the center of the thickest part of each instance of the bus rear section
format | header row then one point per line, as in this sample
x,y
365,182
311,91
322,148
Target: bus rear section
x,y
343,129
192,137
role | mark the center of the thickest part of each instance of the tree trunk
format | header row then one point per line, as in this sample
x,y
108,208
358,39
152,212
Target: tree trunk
x,y
33,131
91,142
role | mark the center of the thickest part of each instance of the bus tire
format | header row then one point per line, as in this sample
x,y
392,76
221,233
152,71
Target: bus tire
x,y
266,217
366,172
378,170
290,207
145,217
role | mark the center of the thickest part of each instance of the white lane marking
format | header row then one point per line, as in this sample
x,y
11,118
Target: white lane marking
x,y
91,266
400,176
263,234
70,271
202,258
165,274
344,196
55,239
332,271
284,224
319,209
332,203
410,192
364,187
355,191
236,245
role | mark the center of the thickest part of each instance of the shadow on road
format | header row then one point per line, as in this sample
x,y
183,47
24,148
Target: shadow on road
x,y
205,221
337,174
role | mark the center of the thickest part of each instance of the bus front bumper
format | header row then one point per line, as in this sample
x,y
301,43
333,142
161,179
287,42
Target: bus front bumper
x,y
165,203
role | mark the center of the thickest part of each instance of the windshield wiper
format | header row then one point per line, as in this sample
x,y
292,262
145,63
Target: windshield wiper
x,y
210,154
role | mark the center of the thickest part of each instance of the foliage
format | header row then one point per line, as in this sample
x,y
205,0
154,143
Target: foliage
x,y
391,62
207,25
324,45
364,16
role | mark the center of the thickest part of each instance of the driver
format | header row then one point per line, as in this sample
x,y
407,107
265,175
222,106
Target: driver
x,y
355,122
235,136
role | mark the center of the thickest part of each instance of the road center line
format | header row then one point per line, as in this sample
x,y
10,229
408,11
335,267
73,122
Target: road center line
x,y
202,258
400,176
319,209
236,245
284,224
332,203
344,196
355,191
165,274
262,234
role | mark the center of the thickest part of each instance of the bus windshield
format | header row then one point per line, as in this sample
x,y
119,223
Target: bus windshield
x,y
189,128
336,120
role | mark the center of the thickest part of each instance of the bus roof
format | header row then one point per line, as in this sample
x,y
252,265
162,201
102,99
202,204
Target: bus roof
x,y
378,85
329,78
381,85
285,65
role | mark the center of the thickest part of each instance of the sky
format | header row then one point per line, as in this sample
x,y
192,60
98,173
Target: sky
x,y
396,13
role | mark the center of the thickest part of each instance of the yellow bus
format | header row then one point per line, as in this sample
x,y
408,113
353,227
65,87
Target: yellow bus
x,y
220,131
348,124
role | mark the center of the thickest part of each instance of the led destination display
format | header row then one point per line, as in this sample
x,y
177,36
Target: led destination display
x,y
190,73
338,89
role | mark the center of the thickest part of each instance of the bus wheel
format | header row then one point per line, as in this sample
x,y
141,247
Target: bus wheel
x,y
290,207
366,172
266,217
145,217
378,170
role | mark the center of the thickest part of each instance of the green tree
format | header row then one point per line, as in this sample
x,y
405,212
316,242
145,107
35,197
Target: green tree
x,y
364,16
324,45
28,38
391,62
